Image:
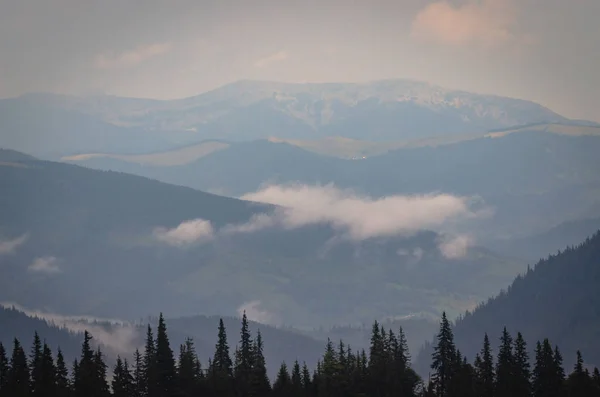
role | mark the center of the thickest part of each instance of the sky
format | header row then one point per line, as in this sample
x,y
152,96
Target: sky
x,y
543,50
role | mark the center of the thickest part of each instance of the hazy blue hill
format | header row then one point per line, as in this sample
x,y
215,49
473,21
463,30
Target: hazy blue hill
x,y
51,126
80,224
559,298
16,324
533,179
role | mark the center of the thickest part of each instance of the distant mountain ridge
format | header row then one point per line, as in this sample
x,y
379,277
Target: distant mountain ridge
x,y
388,110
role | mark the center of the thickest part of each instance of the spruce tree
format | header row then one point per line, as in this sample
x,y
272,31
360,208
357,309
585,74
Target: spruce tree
x,y
221,372
244,359
579,383
101,388
63,386
18,382
522,369
283,383
505,367
3,368
85,371
138,375
149,381
484,370
47,375
306,381
443,358
165,361
187,375
297,388
35,365
121,385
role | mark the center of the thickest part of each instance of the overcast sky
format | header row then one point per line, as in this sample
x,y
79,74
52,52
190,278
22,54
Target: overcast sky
x,y
544,50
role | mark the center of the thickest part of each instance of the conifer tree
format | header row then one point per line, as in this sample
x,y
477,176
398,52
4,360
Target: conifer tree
x,y
121,381
296,388
443,358
187,375
35,365
85,372
306,381
149,381
259,381
63,386
47,375
505,367
579,383
138,375
165,361
559,373
484,370
101,388
522,369
283,383
18,383
3,368
244,359
221,371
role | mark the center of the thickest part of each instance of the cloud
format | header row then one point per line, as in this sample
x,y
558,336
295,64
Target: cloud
x,y
187,233
273,58
10,246
128,59
255,313
46,265
455,247
356,217
476,22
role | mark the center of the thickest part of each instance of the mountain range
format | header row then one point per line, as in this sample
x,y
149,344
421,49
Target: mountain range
x,y
49,125
62,225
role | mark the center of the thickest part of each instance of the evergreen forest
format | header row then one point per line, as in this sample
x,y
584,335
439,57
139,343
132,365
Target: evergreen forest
x,y
384,371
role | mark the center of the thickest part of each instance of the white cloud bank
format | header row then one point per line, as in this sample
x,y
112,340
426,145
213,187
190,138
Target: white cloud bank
x,y
273,58
455,247
45,265
356,217
187,233
9,247
255,313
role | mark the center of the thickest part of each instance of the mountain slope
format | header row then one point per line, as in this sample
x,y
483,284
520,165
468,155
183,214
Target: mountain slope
x,y
559,298
534,179
148,247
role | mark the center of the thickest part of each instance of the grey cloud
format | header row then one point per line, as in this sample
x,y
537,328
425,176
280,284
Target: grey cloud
x,y
186,233
455,247
8,247
255,313
44,265
354,216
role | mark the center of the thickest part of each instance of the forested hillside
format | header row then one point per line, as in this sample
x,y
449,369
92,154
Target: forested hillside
x,y
239,369
558,298
62,225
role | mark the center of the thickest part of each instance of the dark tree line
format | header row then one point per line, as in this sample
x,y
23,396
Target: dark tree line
x,y
383,371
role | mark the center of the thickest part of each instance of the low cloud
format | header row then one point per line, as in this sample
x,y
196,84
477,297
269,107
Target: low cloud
x,y
130,58
9,247
356,217
187,233
255,313
486,23
45,265
455,247
273,58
